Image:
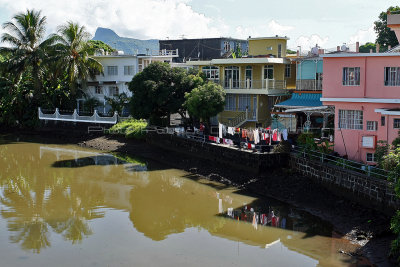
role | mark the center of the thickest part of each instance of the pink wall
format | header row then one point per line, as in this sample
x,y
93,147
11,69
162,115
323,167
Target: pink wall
x,y
350,140
371,67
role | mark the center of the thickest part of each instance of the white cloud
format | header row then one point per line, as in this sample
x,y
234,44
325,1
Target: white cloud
x,y
307,42
134,18
364,36
275,28
245,32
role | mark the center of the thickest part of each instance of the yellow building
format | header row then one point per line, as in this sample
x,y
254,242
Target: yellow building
x,y
253,83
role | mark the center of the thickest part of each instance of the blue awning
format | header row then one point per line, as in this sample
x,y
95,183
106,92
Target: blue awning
x,y
301,100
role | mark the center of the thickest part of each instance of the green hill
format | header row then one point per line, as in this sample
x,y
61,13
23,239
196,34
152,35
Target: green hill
x,y
128,45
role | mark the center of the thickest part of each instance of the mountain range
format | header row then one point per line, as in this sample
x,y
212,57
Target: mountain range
x,y
128,45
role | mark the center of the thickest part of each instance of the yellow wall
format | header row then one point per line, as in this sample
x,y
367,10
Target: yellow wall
x,y
258,71
259,47
291,82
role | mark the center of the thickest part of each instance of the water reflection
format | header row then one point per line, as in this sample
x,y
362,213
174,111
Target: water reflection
x,y
61,191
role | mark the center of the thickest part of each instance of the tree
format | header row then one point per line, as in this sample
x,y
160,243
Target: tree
x,y
28,49
73,54
205,101
95,45
159,91
366,47
385,36
117,103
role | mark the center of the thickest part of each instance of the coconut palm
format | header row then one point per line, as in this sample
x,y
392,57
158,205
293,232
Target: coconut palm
x,y
73,54
27,47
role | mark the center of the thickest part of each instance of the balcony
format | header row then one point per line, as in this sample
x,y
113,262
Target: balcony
x,y
309,85
266,86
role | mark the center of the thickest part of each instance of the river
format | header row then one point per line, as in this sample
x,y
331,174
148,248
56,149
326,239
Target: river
x,y
61,205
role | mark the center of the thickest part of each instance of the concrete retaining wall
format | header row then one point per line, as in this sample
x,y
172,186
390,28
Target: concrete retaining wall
x,y
226,156
370,191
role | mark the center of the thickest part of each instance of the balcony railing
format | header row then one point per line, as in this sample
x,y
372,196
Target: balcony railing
x,y
252,84
309,85
163,52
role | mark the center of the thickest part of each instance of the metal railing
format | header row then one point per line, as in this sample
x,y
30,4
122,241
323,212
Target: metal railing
x,y
309,85
341,162
251,84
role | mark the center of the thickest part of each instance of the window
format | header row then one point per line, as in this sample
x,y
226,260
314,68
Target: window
x,y
249,76
227,46
244,102
268,71
351,76
269,48
392,76
370,157
232,77
396,123
279,50
372,125
98,90
287,71
382,120
351,119
129,70
230,102
114,90
112,70
211,72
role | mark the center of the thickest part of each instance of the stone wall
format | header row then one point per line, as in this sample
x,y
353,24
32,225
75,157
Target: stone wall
x,y
226,156
367,190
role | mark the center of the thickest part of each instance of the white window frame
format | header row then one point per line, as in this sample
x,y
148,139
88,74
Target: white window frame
x,y
112,70
396,123
232,72
372,125
211,72
227,46
350,119
288,71
392,76
129,70
98,90
351,76
371,159
266,70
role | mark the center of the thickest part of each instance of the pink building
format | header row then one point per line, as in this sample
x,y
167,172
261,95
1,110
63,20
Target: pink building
x,y
365,91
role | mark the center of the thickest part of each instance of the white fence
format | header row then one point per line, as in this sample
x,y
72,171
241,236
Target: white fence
x,y
74,117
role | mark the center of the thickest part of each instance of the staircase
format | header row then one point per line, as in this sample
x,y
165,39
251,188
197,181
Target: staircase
x,y
239,120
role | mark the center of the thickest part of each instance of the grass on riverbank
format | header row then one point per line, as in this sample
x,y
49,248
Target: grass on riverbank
x,y
130,129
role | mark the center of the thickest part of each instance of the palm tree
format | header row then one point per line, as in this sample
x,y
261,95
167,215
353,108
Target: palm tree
x,y
27,46
73,54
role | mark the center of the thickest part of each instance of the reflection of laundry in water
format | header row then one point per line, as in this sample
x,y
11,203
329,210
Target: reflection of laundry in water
x,y
272,243
220,209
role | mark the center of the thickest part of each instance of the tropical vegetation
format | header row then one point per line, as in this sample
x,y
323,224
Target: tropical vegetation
x,y
39,71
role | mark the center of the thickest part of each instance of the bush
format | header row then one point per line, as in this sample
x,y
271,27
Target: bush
x,y
283,147
130,128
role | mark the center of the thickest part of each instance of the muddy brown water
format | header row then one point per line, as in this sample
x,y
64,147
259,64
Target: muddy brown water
x,y
62,205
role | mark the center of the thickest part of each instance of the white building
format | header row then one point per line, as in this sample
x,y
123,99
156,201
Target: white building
x,y
119,70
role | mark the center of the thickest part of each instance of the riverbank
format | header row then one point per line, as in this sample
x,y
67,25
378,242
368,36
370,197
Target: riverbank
x,y
359,224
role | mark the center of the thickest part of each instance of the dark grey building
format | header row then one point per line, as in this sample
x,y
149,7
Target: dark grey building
x,y
205,49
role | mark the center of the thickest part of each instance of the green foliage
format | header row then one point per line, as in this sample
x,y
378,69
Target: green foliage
x,y
283,147
366,48
159,91
130,128
396,142
290,52
382,149
90,104
205,101
95,45
385,36
392,162
117,103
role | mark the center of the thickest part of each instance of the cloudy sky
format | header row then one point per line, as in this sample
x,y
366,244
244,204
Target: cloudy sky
x,y
307,22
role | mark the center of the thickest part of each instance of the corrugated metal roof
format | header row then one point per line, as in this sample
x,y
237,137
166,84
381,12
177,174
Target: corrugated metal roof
x,y
302,100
